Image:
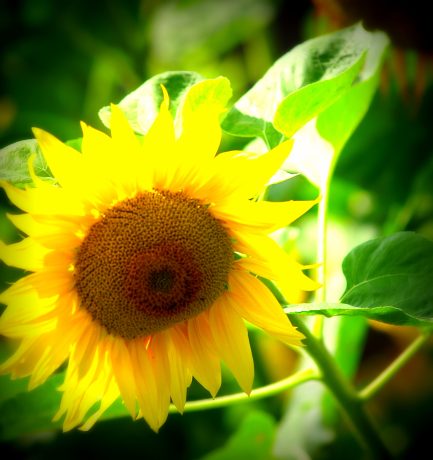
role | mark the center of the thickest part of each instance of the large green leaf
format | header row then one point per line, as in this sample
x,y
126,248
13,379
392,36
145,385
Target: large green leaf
x,y
319,143
388,279
392,271
337,123
301,84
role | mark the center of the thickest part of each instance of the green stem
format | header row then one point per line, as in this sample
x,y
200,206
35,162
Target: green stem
x,y
351,404
259,393
320,294
385,376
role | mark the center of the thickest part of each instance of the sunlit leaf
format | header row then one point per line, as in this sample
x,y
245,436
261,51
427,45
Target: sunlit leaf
x,y
142,105
14,163
184,88
300,85
337,123
319,143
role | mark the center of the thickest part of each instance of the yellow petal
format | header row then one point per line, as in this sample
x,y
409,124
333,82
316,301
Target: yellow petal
x,y
110,394
27,254
205,363
153,395
231,338
80,393
97,147
53,282
261,216
272,262
249,173
159,148
254,302
122,134
50,200
123,373
24,308
178,354
200,125
65,163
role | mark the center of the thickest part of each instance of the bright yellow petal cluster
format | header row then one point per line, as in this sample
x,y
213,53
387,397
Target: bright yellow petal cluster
x,y
45,312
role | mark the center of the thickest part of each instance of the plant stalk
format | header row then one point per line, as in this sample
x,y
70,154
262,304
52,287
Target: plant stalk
x,y
351,404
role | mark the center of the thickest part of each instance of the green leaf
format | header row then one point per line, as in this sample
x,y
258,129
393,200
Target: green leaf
x,y
337,123
14,163
300,85
388,279
302,105
392,271
319,143
253,440
142,105
26,413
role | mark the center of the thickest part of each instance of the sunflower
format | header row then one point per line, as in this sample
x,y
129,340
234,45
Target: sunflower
x,y
144,255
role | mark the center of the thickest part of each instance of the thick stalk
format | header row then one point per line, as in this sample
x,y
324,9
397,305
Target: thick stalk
x,y
351,404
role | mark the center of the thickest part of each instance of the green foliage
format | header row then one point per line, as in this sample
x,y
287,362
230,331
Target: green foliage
x,y
301,84
142,105
14,163
185,89
327,84
252,440
388,280
26,413
392,271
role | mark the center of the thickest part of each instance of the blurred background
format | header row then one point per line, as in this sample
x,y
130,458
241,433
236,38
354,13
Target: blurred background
x,y
61,62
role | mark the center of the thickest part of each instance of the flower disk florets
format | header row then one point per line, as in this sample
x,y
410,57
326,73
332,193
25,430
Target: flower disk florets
x,y
152,261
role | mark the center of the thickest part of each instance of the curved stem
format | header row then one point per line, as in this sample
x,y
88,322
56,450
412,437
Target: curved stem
x,y
384,377
259,393
351,404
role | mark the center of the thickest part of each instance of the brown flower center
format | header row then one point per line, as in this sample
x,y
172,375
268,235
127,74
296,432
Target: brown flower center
x,y
150,262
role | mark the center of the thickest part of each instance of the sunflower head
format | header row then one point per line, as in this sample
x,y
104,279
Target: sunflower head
x,y
144,256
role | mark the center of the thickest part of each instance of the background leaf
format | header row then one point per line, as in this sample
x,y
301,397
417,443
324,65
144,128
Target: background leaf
x,y
253,440
142,105
184,89
14,166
